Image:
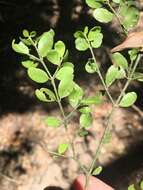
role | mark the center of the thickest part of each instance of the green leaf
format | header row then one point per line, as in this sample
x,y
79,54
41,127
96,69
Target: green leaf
x,y
95,37
121,74
116,1
66,72
103,15
133,54
54,57
65,88
85,109
27,64
75,96
120,60
91,66
131,19
81,44
52,122
25,33
93,4
20,48
138,76
131,187
97,100
141,185
46,43
43,93
83,132
60,48
128,99
63,148
111,75
97,171
37,75
85,120
78,34
33,34
85,30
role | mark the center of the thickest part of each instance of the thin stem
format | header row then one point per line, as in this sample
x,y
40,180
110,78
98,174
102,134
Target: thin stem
x,y
109,123
52,78
117,16
129,79
99,73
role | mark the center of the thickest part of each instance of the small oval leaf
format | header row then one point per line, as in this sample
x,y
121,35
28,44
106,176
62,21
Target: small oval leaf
x,y
60,48
81,44
54,57
128,99
85,120
120,60
103,15
46,43
63,148
97,171
20,48
111,75
75,96
52,122
37,75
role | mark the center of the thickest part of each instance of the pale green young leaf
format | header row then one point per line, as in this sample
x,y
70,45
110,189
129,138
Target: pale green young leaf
x,y
93,4
97,170
133,54
33,34
79,34
29,63
60,48
128,99
63,148
65,73
121,74
97,100
91,66
116,1
65,88
45,95
46,43
37,75
141,185
49,93
54,57
85,120
41,96
20,47
131,187
138,76
81,44
85,109
85,30
129,20
103,15
52,122
25,33
120,60
75,96
111,75
95,37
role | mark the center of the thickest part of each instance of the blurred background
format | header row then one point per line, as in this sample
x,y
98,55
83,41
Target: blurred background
x,y
24,163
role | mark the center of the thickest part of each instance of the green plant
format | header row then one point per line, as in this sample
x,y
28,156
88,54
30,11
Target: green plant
x,y
47,52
